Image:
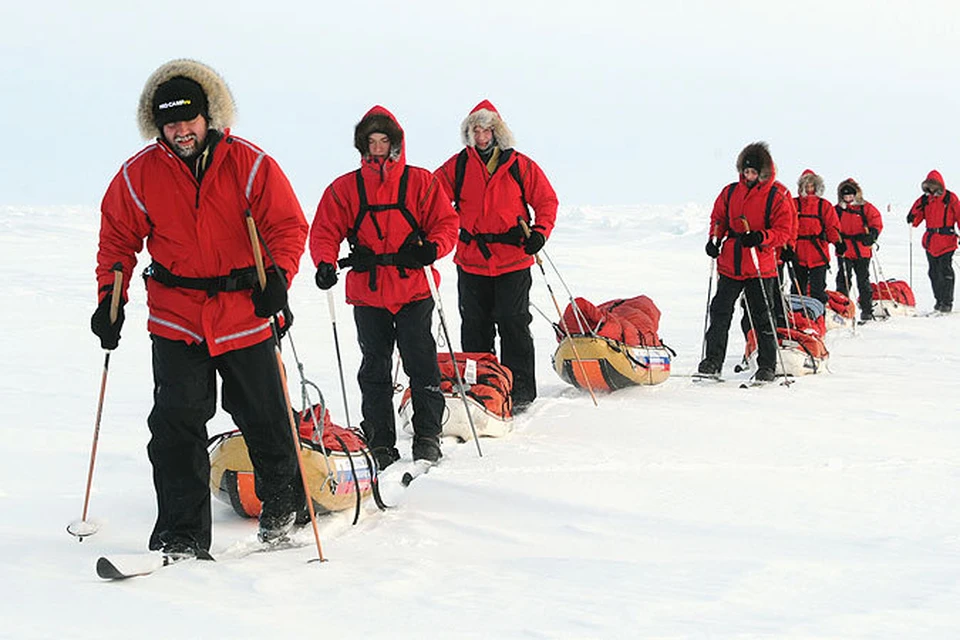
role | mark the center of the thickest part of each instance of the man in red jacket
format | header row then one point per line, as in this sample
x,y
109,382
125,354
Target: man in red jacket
x,y
860,226
751,219
397,221
493,187
818,226
940,209
186,194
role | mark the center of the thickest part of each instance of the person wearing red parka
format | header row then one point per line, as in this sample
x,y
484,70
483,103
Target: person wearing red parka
x,y
494,187
751,220
940,210
818,228
860,226
188,195
397,221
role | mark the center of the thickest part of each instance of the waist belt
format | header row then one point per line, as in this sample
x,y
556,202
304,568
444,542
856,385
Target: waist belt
x,y
237,280
363,260
483,239
943,231
816,245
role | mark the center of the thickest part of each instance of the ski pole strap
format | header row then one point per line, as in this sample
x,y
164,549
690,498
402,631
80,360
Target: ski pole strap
x,y
237,280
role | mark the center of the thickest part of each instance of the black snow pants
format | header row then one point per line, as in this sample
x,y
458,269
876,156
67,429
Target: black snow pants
x,y
721,315
860,267
941,279
184,399
491,304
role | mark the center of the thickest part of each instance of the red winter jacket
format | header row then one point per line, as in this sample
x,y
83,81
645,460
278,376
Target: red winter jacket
x,y
383,231
941,213
492,204
855,222
200,232
818,229
766,207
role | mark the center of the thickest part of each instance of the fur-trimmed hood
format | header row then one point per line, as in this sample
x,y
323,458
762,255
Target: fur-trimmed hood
x,y
379,119
758,153
858,198
486,115
221,107
934,183
807,177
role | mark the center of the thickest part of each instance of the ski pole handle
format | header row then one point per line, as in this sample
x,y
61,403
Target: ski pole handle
x,y
115,295
526,232
255,244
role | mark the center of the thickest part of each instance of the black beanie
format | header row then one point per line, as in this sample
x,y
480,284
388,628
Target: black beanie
x,y
177,99
752,161
848,190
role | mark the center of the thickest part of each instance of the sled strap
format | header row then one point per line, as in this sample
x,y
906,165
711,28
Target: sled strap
x,y
353,470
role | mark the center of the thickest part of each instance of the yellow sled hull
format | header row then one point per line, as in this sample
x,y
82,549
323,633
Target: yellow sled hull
x,y
609,365
332,487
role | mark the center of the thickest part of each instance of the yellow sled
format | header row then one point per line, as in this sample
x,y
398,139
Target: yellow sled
x,y
610,365
232,482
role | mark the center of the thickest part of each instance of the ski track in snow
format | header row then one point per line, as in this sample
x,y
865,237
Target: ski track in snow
x,y
827,509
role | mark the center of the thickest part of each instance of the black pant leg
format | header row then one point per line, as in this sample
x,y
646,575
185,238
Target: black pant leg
x,y
817,278
862,268
184,399
511,311
418,352
844,275
758,300
948,280
802,284
376,333
255,398
721,314
476,299
934,275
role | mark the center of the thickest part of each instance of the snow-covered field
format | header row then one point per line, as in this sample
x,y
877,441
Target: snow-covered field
x,y
828,509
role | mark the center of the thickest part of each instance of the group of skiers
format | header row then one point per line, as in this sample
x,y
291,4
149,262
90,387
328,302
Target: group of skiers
x,y
757,228
207,203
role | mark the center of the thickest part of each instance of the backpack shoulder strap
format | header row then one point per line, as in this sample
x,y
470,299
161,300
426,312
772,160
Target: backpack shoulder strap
x,y
459,172
769,208
515,172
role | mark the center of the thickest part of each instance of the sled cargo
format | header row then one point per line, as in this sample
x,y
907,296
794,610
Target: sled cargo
x,y
893,298
610,365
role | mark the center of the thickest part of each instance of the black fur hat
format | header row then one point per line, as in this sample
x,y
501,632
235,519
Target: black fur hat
x,y
377,123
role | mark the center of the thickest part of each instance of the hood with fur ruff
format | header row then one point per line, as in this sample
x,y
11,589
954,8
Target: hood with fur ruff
x,y
759,152
485,115
220,105
858,198
807,177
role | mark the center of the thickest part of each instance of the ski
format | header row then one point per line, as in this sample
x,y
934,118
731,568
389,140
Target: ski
x,y
419,468
132,565
706,377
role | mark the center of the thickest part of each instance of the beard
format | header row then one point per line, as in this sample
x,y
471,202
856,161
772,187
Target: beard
x,y
186,146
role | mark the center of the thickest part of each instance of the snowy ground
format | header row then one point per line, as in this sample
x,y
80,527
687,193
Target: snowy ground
x,y
824,510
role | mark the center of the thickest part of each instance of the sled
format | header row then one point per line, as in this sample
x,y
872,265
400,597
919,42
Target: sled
x,y
893,298
610,365
617,344
333,478
801,353
840,312
488,385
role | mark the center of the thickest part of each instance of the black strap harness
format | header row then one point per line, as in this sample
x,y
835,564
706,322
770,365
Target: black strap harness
x,y
738,237
944,230
816,239
363,258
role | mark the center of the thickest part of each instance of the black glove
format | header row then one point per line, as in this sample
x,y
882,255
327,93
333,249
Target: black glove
x,y
416,256
272,298
870,237
534,243
326,275
515,236
787,254
910,218
109,334
752,239
713,248
841,247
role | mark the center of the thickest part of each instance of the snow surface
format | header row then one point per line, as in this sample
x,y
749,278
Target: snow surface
x,y
824,510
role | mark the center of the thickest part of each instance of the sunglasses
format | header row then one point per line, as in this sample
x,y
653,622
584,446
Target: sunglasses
x,y
931,191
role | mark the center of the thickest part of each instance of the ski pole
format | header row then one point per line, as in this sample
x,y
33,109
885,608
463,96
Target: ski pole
x,y
462,389
563,322
336,347
281,371
81,528
706,313
766,301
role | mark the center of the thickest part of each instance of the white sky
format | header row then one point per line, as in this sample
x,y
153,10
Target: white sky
x,y
620,102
